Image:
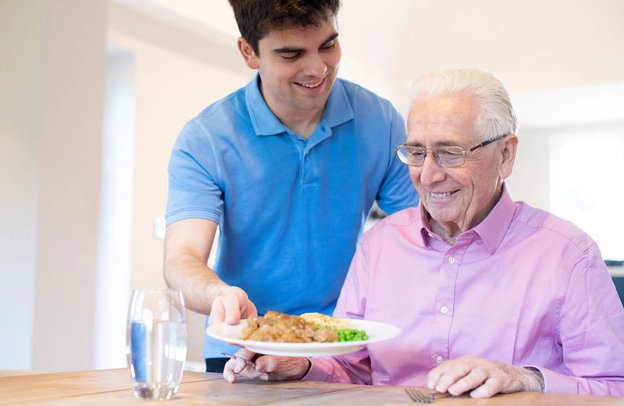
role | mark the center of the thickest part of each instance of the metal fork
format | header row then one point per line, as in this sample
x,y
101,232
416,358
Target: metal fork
x,y
249,363
419,396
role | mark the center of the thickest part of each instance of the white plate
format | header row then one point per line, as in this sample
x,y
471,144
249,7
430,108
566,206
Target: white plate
x,y
375,330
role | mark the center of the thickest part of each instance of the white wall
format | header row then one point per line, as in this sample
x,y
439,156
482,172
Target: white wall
x,y
68,186
546,113
52,102
21,79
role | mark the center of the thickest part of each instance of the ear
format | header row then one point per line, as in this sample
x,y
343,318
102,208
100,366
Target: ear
x,y
249,56
508,155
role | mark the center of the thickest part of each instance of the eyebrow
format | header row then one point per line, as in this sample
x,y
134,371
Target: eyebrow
x,y
436,145
288,49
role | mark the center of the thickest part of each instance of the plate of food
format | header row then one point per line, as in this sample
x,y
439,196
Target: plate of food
x,y
308,335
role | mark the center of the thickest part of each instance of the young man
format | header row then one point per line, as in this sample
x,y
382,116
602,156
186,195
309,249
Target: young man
x,y
287,167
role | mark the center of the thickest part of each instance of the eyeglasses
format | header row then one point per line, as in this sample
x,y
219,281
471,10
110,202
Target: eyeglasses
x,y
446,157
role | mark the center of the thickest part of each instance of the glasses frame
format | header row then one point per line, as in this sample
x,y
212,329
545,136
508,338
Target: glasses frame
x,y
433,152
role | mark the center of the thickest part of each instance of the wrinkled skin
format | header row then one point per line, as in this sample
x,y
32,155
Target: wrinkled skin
x,y
481,378
268,367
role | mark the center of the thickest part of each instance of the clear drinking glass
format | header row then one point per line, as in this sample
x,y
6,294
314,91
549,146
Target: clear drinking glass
x,y
156,342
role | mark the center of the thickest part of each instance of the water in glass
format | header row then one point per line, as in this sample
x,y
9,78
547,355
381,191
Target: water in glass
x,y
156,343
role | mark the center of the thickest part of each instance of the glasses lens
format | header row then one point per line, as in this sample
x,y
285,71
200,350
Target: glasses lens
x,y
402,153
412,155
446,157
450,156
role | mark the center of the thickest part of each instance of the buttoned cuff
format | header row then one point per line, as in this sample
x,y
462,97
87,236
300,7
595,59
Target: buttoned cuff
x,y
558,383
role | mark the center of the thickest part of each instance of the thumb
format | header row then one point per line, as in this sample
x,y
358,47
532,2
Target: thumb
x,y
251,310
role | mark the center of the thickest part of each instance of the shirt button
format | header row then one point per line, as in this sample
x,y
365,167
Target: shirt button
x,y
439,359
444,309
451,260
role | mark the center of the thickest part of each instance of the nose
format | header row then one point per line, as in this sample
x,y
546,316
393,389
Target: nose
x,y
315,66
430,171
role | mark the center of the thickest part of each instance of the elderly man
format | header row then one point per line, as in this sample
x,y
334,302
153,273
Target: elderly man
x,y
492,296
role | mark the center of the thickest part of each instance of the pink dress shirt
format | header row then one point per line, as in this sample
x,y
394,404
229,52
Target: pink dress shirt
x,y
523,287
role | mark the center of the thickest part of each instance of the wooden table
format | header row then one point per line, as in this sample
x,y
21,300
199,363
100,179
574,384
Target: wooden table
x,y
113,387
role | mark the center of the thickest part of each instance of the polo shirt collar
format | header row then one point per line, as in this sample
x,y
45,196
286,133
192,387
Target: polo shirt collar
x,y
262,118
338,109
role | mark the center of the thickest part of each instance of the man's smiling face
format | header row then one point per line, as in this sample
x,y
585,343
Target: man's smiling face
x,y
297,67
456,198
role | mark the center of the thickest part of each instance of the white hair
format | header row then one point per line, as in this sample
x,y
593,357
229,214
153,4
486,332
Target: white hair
x,y
496,116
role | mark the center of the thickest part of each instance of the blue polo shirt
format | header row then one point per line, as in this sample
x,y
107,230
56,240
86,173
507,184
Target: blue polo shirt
x,y
289,210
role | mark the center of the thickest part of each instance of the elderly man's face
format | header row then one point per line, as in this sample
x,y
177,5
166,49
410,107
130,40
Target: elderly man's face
x,y
456,198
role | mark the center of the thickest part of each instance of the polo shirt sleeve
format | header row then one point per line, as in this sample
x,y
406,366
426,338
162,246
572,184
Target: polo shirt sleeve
x,y
194,189
592,332
396,191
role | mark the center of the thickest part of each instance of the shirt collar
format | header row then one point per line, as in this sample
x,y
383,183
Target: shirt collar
x,y
425,233
491,230
338,109
262,118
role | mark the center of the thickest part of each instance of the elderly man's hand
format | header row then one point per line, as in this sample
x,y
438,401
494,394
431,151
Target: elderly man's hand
x,y
231,305
482,378
267,368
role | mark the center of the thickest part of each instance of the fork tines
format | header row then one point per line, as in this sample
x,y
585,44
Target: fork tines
x,y
418,396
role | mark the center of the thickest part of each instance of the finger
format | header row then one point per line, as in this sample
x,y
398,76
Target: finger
x,y
228,371
434,376
446,374
246,354
488,389
250,310
217,312
246,374
240,365
474,379
243,360
236,370
231,307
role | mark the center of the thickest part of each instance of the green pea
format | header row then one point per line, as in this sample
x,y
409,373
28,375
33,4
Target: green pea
x,y
351,334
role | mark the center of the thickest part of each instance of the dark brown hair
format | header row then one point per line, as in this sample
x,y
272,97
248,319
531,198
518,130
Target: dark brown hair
x,y
256,18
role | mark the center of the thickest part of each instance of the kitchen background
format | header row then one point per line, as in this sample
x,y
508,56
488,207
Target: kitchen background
x,y
93,94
